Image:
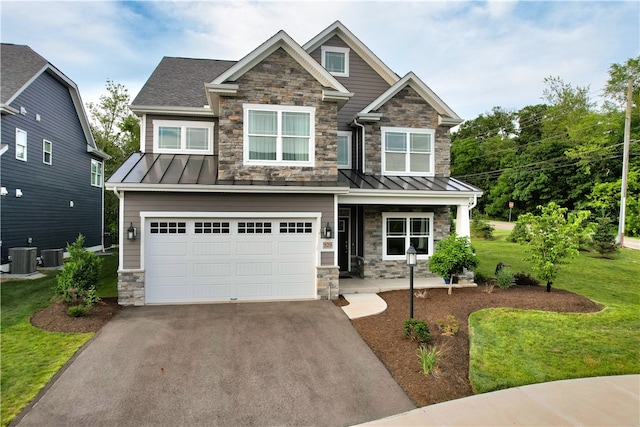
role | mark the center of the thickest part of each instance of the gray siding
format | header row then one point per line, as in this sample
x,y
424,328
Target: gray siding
x,y
148,136
363,81
217,202
43,212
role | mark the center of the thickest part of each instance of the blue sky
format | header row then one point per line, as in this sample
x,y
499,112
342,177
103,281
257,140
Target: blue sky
x,y
474,55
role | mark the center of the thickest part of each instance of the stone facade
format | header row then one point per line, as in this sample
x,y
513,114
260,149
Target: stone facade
x,y
327,282
131,287
277,80
407,109
374,266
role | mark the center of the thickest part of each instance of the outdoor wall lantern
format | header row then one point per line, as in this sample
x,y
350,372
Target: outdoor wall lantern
x,y
412,260
131,232
327,232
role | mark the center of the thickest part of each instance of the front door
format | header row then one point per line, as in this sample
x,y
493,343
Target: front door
x,y
343,243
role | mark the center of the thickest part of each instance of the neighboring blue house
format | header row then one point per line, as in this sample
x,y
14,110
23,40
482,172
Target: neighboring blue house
x,y
51,170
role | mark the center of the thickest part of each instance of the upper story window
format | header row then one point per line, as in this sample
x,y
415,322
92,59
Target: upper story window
x,y
182,137
344,150
400,230
21,145
336,60
96,173
47,148
279,135
407,151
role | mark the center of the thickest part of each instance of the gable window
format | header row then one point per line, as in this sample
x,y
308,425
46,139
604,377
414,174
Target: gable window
x,y
182,137
336,60
400,230
46,151
21,145
96,173
344,150
407,151
279,135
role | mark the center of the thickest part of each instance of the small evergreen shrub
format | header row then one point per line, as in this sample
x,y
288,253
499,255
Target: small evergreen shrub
x,y
479,277
525,279
417,330
504,278
76,283
519,233
603,239
78,310
429,358
481,228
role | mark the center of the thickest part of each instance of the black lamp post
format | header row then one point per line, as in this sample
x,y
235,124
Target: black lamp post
x,y
412,260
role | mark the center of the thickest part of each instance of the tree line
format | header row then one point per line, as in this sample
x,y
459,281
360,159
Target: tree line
x,y
566,150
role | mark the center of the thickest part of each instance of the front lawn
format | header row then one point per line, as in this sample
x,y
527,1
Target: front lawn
x,y
511,347
30,356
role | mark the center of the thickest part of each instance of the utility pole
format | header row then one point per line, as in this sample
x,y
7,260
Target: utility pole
x,y
625,167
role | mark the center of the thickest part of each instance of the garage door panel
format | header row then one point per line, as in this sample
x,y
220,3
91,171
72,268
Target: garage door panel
x,y
170,270
296,248
293,269
254,269
164,248
212,248
255,290
254,248
212,291
211,270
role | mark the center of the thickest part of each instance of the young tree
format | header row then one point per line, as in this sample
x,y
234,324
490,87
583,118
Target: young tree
x,y
553,237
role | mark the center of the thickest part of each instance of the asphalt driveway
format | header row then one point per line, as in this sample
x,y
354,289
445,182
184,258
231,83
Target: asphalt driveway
x,y
250,364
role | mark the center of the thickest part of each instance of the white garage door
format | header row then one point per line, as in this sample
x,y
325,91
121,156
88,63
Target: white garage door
x,y
206,260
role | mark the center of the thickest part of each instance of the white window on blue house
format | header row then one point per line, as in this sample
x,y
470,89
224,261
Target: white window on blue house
x,y
408,151
21,145
344,150
278,135
400,230
47,148
182,137
336,60
96,173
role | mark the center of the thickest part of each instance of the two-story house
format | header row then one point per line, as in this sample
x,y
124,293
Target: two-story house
x,y
51,170
268,177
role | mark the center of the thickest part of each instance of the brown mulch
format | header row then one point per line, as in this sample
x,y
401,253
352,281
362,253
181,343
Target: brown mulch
x,y
55,318
384,333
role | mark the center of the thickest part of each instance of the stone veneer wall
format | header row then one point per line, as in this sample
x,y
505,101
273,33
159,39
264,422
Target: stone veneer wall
x,y
374,267
277,80
131,287
327,281
407,109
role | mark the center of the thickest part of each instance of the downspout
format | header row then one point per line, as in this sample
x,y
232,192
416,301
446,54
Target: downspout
x,y
474,203
355,122
120,235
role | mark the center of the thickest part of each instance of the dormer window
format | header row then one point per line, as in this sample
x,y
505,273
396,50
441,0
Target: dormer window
x,y
336,60
182,137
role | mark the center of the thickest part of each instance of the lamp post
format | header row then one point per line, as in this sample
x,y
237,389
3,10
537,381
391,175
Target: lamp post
x,y
412,260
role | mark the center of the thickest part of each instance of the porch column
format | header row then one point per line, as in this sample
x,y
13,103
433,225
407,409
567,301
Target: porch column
x,y
463,226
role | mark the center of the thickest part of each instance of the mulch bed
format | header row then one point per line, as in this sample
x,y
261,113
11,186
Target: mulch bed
x,y
384,333
55,318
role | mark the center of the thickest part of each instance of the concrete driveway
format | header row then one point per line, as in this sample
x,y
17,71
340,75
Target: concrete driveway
x,y
251,364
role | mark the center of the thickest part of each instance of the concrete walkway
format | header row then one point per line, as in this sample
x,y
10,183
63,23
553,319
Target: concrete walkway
x,y
599,401
362,305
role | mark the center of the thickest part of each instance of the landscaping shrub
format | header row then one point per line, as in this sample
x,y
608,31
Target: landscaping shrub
x,y
417,330
519,233
504,278
481,228
429,358
603,239
479,277
76,283
525,279
78,310
448,326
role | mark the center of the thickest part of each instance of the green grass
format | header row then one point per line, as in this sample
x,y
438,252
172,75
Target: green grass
x,y
511,347
30,356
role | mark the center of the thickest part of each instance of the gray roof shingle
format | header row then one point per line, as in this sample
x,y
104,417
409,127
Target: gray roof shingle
x,y
179,82
18,64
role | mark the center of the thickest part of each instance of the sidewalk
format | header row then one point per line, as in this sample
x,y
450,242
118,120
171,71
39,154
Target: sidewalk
x,y
599,401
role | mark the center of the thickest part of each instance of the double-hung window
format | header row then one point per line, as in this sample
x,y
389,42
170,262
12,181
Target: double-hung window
x,y
46,151
336,60
407,151
178,137
21,145
400,230
344,150
96,173
279,135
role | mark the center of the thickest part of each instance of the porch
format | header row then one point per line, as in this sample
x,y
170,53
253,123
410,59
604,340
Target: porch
x,y
355,285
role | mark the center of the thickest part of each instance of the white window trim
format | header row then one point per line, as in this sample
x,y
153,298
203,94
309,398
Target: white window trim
x,y
279,109
97,162
407,171
336,49
157,124
406,216
19,131
44,152
348,135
